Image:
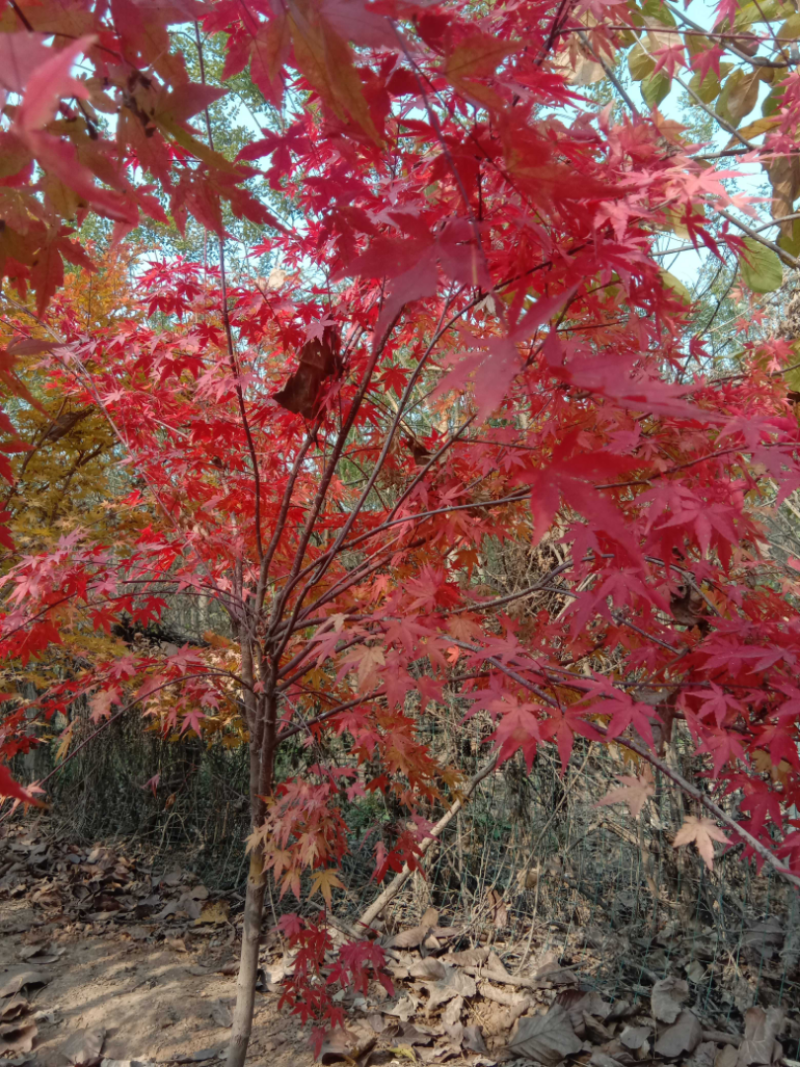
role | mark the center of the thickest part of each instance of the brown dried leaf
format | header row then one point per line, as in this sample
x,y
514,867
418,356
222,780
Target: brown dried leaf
x,y
12,1009
319,361
578,1003
784,177
546,1038
681,1038
470,957
761,1029
404,1008
451,1015
17,978
704,1055
410,1034
727,1057
411,938
472,1039
18,1037
454,984
213,914
667,997
427,968
84,1048
635,1037
221,1014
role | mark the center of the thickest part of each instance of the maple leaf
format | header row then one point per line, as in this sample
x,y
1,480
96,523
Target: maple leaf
x,y
323,882
10,788
48,82
702,832
634,791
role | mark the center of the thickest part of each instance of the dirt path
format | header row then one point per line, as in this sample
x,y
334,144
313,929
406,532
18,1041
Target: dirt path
x,y
155,1002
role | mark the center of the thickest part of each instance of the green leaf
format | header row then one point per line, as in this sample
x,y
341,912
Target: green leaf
x,y
772,103
763,11
791,244
738,97
707,89
676,285
790,30
761,270
658,10
654,88
640,64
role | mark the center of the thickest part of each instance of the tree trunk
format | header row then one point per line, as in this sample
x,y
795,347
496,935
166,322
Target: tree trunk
x,y
261,724
248,963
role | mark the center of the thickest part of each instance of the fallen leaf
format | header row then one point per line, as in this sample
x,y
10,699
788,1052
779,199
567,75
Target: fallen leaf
x,y
470,957
213,914
600,1059
546,1038
127,1063
455,983
578,1003
635,1037
84,1048
17,978
427,968
404,1008
451,1015
412,1035
221,1014
12,1009
761,1029
727,1057
18,1037
703,1056
667,997
682,1037
472,1039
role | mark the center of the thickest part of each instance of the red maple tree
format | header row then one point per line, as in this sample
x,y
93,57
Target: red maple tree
x,y
470,340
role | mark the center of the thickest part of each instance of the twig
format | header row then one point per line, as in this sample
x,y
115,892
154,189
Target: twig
x,y
397,883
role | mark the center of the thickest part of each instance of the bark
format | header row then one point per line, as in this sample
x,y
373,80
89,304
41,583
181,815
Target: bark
x,y
248,965
261,724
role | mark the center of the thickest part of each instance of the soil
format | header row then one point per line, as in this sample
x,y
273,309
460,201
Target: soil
x,y
156,1002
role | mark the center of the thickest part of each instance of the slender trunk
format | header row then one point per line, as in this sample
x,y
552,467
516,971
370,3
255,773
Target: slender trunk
x,y
261,724
248,964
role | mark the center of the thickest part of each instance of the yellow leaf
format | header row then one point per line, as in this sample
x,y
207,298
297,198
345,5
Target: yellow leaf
x,y
213,914
478,57
323,882
64,743
754,129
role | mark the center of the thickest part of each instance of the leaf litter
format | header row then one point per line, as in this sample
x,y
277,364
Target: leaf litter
x,y
166,947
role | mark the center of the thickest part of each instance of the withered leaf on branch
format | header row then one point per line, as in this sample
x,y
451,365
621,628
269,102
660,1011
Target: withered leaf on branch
x,y
319,361
784,177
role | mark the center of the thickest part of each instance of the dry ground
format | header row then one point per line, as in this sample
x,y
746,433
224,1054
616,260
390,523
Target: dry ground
x,y
155,1002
